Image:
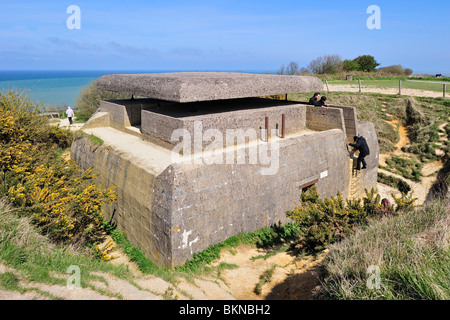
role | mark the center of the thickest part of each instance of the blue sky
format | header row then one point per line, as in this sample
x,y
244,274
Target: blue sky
x,y
220,35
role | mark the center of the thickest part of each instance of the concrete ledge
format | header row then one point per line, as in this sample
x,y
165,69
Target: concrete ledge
x,y
322,119
350,119
206,86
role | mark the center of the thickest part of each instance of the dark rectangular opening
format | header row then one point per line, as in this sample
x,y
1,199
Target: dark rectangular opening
x,y
305,187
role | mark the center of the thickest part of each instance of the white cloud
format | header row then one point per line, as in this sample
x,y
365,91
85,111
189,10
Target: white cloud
x,y
73,44
186,51
132,50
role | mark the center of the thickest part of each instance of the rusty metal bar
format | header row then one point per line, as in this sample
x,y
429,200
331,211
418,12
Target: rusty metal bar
x,y
283,125
267,129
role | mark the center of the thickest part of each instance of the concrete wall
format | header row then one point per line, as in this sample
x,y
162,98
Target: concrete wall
x,y
349,116
158,127
186,207
243,200
125,113
189,207
158,119
350,120
143,205
321,119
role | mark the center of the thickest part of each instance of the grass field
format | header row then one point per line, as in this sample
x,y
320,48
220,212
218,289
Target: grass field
x,y
394,83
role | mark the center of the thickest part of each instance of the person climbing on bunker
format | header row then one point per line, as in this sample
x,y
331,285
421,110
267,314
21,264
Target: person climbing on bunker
x,y
360,145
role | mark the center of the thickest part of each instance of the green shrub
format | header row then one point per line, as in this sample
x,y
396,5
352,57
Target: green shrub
x,y
395,182
330,220
408,168
89,100
351,65
396,70
367,63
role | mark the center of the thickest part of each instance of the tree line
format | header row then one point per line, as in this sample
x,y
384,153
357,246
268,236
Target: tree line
x,y
331,64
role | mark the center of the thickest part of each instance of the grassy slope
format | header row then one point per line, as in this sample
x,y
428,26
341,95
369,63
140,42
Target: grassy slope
x,y
36,259
411,251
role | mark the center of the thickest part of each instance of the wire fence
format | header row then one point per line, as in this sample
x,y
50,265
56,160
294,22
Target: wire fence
x,y
400,85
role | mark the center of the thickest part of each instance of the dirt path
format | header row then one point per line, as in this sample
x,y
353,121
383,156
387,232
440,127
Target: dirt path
x,y
405,91
420,190
293,278
64,123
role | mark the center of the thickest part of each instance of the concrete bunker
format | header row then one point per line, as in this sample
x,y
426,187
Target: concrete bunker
x,y
173,206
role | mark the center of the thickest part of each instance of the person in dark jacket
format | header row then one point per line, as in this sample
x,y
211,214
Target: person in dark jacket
x,y
322,102
360,145
315,99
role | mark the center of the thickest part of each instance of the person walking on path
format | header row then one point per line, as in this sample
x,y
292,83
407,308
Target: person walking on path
x,y
360,145
70,114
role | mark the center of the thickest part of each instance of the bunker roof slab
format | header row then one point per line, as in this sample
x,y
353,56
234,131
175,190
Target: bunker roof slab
x,y
206,86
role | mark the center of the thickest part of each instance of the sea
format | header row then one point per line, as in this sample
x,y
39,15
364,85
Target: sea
x,y
58,89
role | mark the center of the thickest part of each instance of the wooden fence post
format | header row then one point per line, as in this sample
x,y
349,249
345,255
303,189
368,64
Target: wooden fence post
x,y
328,89
359,82
400,87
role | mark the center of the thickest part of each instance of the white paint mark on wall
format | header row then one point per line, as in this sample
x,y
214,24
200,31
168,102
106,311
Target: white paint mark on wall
x,y
324,174
186,242
190,243
185,236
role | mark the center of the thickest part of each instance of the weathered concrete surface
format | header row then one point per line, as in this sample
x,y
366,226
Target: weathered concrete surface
x,y
137,169
321,119
349,117
172,207
206,86
172,213
350,120
246,121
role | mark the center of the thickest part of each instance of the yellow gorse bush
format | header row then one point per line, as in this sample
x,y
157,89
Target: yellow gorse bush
x,y
104,253
63,201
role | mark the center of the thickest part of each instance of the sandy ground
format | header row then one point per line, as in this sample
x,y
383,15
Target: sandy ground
x,y
293,278
64,123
